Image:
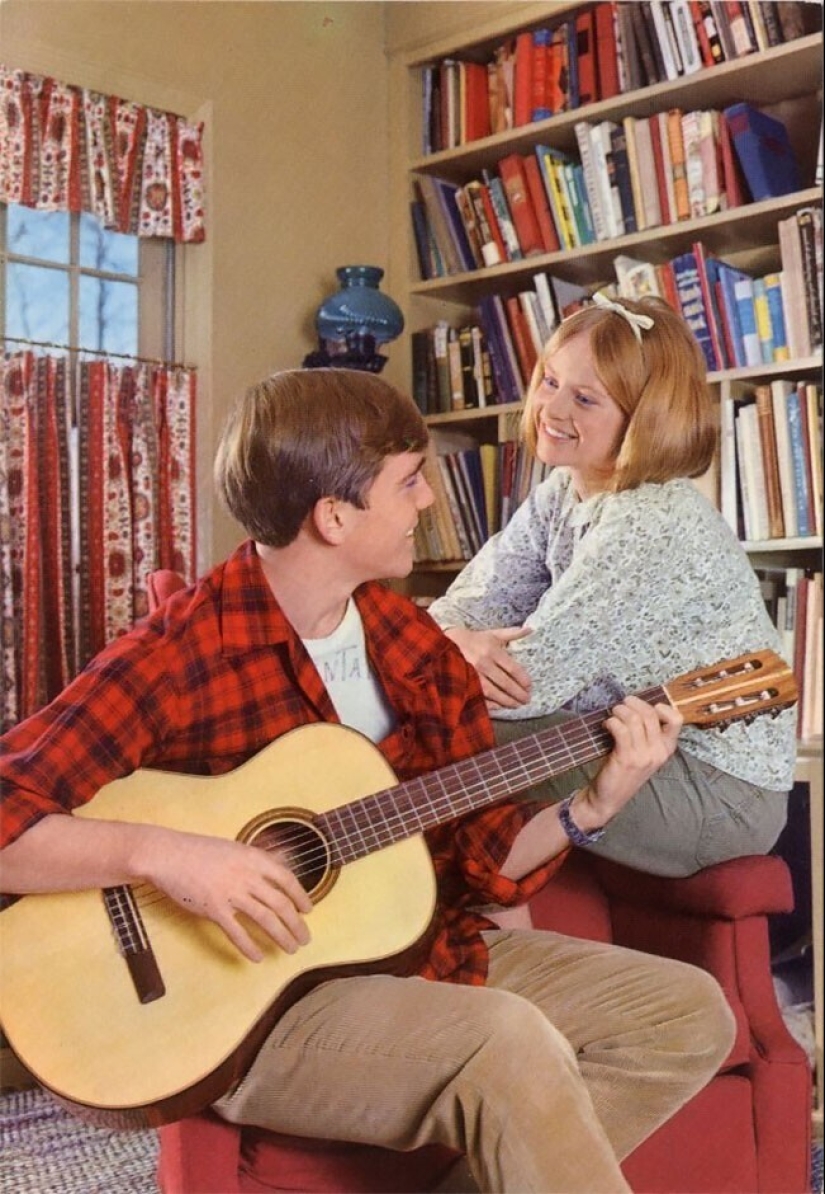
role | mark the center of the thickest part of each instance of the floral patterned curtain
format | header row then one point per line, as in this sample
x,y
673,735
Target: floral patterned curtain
x,y
86,511
65,148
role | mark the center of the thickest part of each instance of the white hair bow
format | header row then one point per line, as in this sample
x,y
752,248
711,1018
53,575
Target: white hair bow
x,y
637,322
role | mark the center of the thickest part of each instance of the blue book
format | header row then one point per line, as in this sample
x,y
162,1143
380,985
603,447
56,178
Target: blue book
x,y
776,309
798,457
728,276
743,289
764,151
691,301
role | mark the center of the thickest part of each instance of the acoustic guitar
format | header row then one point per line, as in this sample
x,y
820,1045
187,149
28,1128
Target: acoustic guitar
x,y
135,1013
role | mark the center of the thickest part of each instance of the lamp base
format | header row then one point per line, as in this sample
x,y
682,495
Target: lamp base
x,y
357,351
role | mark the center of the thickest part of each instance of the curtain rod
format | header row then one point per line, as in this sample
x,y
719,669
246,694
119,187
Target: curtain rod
x,y
101,352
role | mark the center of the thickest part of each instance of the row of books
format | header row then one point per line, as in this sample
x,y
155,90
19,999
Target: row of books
x,y
771,461
633,174
793,598
740,320
490,360
477,489
603,50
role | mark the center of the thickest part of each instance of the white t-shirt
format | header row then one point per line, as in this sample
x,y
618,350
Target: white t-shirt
x,y
342,663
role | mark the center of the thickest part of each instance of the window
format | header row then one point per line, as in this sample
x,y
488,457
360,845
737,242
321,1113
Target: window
x,y
69,281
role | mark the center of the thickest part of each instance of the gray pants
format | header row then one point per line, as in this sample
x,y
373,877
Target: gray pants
x,y
570,1056
689,815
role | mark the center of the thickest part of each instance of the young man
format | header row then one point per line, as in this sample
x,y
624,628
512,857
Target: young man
x,y
323,468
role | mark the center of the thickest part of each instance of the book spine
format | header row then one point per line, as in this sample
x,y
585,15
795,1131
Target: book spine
x,y
498,198
776,314
811,273
770,462
800,471
520,204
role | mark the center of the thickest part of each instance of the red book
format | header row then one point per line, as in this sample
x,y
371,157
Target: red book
x,y
475,100
586,57
668,217
512,174
558,71
535,185
492,220
731,172
523,85
667,286
607,65
522,340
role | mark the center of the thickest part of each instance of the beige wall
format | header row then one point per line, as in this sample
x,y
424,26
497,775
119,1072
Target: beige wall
x,y
295,101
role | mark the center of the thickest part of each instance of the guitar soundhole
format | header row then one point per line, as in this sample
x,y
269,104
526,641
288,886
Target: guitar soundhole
x,y
291,834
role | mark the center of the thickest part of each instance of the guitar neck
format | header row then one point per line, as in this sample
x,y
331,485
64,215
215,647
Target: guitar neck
x,y
374,822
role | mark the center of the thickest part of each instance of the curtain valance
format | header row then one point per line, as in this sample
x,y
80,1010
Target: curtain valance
x,y
65,148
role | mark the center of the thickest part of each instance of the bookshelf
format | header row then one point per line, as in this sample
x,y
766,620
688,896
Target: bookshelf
x,y
785,80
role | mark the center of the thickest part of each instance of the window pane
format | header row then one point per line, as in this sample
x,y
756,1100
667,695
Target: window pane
x,y
37,303
42,234
108,315
114,252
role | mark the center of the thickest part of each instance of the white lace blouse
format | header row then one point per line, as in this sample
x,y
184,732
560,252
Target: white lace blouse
x,y
621,592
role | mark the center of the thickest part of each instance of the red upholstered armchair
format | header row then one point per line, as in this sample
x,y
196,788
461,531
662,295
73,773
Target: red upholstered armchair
x,y
747,1131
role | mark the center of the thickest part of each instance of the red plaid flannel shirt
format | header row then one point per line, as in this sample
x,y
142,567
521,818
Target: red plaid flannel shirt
x,y
218,673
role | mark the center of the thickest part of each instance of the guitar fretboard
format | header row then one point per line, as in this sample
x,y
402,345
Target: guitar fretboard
x,y
374,822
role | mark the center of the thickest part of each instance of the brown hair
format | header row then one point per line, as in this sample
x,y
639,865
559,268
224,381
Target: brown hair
x,y
305,434
660,385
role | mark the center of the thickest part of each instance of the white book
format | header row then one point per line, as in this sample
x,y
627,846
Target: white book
x,y
794,307
663,37
780,388
813,631
728,480
752,474
591,183
647,173
528,303
610,201
548,306
686,36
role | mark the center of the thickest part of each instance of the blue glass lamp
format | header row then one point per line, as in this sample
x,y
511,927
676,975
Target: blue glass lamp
x,y
355,321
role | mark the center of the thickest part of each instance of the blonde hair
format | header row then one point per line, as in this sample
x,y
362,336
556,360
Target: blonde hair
x,y
660,384
305,434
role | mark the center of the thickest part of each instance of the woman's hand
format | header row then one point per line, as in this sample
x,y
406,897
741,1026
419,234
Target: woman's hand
x,y
504,682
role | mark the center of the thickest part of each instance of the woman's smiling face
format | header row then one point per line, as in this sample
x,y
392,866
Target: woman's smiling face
x,y
578,424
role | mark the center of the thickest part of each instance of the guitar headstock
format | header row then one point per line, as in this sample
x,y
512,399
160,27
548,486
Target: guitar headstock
x,y
734,689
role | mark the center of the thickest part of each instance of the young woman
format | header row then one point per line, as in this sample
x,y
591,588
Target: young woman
x,y
617,574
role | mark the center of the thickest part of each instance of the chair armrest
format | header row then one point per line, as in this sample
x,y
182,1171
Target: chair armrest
x,y
758,885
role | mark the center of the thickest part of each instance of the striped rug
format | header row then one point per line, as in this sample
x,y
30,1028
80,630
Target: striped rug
x,y
45,1150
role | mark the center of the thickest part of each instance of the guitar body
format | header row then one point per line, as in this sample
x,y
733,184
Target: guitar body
x,y
68,1003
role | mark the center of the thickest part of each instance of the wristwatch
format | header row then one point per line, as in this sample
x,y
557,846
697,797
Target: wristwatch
x,y
577,836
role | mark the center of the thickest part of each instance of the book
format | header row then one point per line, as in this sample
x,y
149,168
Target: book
x,y
583,226
809,223
647,46
707,32
763,320
691,302
662,167
770,462
434,201
751,473
541,42
550,163
605,173
585,26
813,424
706,269
779,337
520,203
676,146
694,175
469,220
523,79
504,219
475,101
764,151
798,447
780,390
492,242
607,72
621,166
686,36
727,277
792,278
646,166
664,34
710,152
732,183
743,289
591,183
728,478
541,205
558,71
